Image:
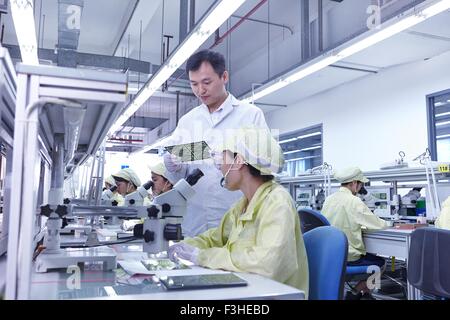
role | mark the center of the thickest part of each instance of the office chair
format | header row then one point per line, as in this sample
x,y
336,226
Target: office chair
x,y
326,248
429,261
310,219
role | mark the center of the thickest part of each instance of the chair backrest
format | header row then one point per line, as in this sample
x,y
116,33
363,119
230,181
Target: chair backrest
x,y
429,261
310,219
326,248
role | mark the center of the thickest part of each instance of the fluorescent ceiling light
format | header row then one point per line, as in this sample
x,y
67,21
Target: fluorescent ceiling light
x,y
291,152
309,135
304,158
440,124
300,137
218,15
441,104
22,12
312,148
287,140
386,30
302,150
443,136
443,114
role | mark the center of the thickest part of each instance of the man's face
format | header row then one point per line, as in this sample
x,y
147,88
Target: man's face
x,y
207,85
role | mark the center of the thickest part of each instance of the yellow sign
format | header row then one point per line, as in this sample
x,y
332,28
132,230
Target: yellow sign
x,y
444,168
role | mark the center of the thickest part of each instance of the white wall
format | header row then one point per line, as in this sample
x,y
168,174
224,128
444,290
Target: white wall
x,y
368,121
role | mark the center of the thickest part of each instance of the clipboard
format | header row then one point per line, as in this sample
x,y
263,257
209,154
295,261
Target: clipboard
x,y
204,281
189,152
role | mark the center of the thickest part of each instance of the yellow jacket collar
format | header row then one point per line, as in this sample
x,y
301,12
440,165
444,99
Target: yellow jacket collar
x,y
258,198
346,190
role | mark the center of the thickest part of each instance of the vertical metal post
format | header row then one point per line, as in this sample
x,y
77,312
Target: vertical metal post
x,y
192,15
30,188
432,143
91,181
40,23
178,107
43,31
12,267
140,54
268,39
56,194
183,27
101,168
23,191
320,21
305,30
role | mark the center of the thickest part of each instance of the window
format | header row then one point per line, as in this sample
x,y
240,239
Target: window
x,y
439,125
3,6
302,150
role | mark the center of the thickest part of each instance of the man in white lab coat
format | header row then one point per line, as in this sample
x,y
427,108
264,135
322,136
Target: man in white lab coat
x,y
219,114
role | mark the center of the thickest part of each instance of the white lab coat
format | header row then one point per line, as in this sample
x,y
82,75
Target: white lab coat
x,y
207,207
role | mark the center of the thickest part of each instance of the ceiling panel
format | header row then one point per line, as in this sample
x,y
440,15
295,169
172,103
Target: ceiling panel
x,y
400,49
318,82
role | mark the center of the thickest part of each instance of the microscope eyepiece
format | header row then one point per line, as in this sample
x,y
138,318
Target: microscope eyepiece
x,y
113,188
193,178
148,185
363,191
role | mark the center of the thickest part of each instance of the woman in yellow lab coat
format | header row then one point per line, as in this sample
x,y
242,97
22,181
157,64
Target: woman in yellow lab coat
x,y
261,232
162,179
345,211
109,183
443,221
162,182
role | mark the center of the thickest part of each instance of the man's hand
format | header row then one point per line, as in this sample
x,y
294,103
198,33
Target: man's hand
x,y
172,162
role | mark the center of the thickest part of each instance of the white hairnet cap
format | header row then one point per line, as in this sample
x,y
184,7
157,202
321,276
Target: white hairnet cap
x,y
160,169
258,148
350,174
110,180
128,175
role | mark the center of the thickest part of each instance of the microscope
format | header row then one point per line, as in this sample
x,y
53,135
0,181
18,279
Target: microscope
x,y
136,199
164,216
108,197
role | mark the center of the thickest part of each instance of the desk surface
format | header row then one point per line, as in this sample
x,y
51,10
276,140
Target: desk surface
x,y
99,284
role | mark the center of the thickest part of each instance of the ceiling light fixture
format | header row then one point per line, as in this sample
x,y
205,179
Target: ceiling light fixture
x,y
374,36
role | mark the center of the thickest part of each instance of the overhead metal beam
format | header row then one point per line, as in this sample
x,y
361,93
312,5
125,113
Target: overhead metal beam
x,y
89,59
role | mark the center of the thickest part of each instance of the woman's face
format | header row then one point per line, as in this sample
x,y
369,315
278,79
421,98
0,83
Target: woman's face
x,y
230,171
124,188
160,184
356,186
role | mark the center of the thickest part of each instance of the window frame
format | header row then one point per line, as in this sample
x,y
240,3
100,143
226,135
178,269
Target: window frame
x,y
431,122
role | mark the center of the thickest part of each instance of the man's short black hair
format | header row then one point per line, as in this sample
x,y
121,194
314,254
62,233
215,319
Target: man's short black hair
x,y
216,60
